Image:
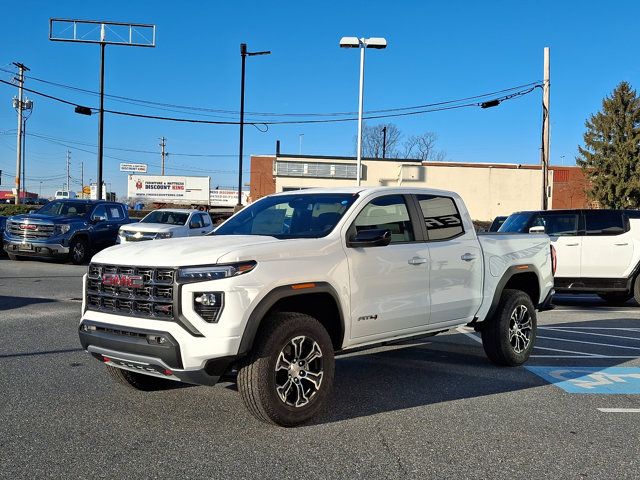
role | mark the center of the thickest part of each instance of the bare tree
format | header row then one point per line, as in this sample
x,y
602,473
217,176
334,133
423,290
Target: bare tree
x,y
415,147
373,140
423,147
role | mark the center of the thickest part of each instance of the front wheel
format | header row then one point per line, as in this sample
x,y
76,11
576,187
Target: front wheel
x,y
508,337
288,376
79,251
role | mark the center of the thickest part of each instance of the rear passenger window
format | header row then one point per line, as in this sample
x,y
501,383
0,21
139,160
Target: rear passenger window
x,y
441,217
115,212
557,225
388,213
603,222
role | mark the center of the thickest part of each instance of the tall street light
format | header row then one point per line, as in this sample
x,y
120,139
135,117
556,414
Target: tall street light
x,y
362,43
244,54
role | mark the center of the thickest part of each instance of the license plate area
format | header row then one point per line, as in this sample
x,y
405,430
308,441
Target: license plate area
x,y
25,247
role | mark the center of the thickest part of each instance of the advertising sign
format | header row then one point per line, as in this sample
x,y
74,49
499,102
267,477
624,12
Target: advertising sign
x,y
227,197
167,188
133,167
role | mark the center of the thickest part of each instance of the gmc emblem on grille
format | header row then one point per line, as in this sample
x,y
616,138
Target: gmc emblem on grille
x,y
27,227
115,280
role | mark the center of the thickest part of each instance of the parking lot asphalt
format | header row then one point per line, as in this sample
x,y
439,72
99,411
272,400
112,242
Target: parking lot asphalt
x,y
433,408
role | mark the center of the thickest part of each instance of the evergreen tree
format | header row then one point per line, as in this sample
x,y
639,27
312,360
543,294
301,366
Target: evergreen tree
x,y
610,158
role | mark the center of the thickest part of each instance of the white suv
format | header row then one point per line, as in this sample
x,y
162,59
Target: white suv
x,y
598,250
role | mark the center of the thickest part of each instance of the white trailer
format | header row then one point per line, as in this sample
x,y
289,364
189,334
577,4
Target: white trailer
x,y
169,189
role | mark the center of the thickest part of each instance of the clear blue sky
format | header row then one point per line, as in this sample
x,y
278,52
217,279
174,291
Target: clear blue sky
x,y
436,51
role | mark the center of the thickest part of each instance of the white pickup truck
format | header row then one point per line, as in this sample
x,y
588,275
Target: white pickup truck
x,y
166,223
295,278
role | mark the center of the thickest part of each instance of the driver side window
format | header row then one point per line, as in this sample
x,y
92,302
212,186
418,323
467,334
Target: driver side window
x,y
387,213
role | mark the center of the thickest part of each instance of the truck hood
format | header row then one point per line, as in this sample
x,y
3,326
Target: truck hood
x,y
178,252
150,227
35,217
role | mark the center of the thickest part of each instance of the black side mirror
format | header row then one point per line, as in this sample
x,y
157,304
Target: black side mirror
x,y
376,237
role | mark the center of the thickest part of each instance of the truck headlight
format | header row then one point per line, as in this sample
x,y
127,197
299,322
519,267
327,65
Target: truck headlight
x,y
214,272
160,235
60,229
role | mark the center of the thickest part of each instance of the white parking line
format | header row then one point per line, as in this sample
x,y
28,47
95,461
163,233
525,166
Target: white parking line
x,y
627,329
582,354
620,410
589,343
468,333
556,329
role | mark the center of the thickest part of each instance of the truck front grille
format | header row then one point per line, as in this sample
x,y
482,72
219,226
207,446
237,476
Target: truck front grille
x,y
29,230
133,291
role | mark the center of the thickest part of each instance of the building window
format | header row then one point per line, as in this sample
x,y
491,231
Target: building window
x,y
315,170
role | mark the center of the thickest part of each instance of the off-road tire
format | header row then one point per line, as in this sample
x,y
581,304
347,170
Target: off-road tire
x,y
14,257
140,381
636,289
496,332
79,251
257,377
615,298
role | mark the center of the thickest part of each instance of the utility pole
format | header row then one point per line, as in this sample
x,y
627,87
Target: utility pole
x,y
82,176
162,145
68,163
24,157
21,70
544,151
384,141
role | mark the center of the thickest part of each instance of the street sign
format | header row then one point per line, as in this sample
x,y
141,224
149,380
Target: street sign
x,y
133,167
86,190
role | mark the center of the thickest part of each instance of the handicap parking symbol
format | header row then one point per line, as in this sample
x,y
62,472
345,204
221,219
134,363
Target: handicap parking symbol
x,y
592,380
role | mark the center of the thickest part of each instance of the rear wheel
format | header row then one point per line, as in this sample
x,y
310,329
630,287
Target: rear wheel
x,y
288,376
617,298
139,381
508,337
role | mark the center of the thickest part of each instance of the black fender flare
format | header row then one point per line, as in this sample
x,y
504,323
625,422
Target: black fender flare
x,y
274,296
81,233
509,273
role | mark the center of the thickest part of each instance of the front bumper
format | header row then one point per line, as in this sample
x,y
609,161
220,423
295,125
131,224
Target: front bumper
x,y
34,248
139,350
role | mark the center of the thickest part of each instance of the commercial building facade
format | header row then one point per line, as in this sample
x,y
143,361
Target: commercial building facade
x,y
488,189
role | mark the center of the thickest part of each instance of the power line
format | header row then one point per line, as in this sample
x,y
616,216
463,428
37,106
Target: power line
x,y
293,122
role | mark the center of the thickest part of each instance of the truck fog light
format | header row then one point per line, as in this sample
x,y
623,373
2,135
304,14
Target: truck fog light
x,y
157,340
208,305
87,328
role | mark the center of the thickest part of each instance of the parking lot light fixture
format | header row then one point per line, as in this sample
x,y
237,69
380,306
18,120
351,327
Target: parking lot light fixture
x,y
362,43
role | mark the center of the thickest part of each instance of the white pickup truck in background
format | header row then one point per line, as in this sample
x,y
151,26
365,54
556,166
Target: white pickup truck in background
x,y
167,223
598,250
295,278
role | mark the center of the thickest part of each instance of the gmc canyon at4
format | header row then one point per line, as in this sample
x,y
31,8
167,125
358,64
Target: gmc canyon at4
x,y
298,277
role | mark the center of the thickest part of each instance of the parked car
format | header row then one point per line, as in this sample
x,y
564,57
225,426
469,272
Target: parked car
x,y
167,223
296,277
65,228
598,250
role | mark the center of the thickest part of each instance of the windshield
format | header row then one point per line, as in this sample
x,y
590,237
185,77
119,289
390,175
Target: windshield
x,y
516,223
170,218
66,209
290,216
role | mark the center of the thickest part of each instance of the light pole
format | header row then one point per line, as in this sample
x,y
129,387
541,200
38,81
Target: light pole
x,y
243,54
300,137
40,190
362,43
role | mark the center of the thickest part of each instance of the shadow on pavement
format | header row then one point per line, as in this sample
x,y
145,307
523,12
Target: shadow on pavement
x,y
33,354
9,303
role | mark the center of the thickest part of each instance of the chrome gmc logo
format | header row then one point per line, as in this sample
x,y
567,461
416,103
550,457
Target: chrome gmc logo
x,y
115,280
27,227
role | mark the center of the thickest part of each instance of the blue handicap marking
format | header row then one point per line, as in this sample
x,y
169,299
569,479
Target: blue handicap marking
x,y
598,380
